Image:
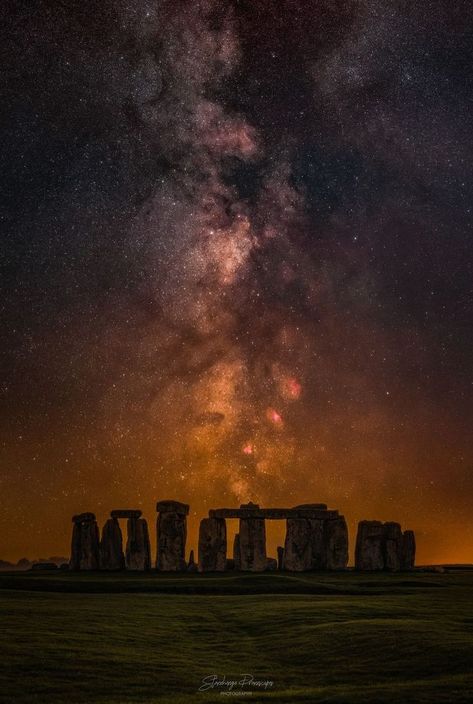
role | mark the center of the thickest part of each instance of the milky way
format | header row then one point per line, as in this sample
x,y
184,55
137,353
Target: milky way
x,y
237,263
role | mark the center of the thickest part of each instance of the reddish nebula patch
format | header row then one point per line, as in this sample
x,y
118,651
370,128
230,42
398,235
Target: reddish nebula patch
x,y
294,388
273,416
248,449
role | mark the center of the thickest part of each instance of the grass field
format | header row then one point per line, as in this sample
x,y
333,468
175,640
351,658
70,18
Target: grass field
x,y
127,639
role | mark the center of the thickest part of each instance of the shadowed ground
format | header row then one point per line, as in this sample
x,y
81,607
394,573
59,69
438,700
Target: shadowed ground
x,y
96,639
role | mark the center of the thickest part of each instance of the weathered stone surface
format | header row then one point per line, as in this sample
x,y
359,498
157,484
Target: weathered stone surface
x,y
379,546
191,565
125,513
85,549
172,507
252,545
111,546
171,541
280,557
320,507
318,547
369,551
408,550
336,544
271,564
83,517
392,547
236,552
298,546
138,551
212,545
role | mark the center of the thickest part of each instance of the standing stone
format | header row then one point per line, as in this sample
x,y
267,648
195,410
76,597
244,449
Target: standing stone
x,y
369,551
252,545
392,547
336,544
191,566
138,551
298,545
408,550
236,552
171,536
280,557
212,545
271,564
319,538
85,547
111,546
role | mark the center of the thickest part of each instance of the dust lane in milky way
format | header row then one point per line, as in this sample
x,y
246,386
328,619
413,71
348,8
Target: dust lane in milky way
x,y
238,263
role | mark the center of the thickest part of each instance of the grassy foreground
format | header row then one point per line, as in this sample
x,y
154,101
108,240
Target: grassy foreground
x,y
126,639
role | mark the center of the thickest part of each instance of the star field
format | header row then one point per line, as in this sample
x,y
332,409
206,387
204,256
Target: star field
x,y
237,262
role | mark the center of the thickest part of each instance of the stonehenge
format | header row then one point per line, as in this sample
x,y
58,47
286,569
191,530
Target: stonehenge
x,y
236,552
316,539
212,545
88,552
383,546
252,544
85,548
171,536
138,551
111,546
297,547
336,544
316,544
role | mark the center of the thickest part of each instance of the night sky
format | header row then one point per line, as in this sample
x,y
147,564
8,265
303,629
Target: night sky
x,y
236,262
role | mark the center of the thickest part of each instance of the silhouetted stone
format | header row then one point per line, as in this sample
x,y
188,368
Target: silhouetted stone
x,y
392,547
280,557
271,564
138,551
297,546
48,566
83,517
172,507
111,546
369,550
212,545
85,550
191,565
336,544
379,546
318,544
252,545
171,537
236,552
408,550
125,513
253,511
230,564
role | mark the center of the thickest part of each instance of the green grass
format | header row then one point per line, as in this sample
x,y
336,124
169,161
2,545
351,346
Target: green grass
x,y
368,639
